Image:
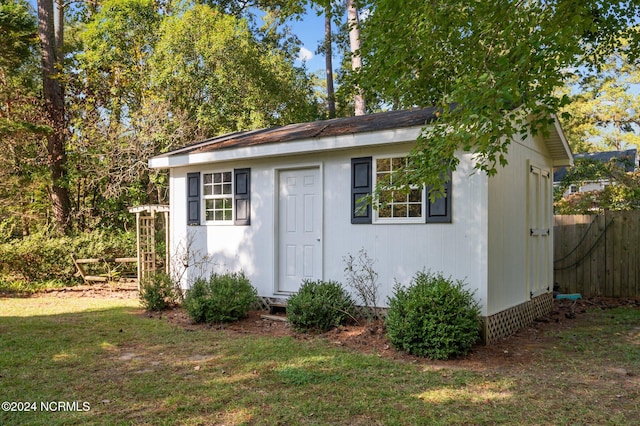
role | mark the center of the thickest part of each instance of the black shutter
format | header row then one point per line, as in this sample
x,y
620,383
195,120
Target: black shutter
x,y
193,198
439,211
361,186
242,196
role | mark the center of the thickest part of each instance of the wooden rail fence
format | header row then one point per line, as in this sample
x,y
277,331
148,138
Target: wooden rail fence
x,y
598,255
109,268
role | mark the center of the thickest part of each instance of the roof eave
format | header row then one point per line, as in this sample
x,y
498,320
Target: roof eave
x,y
559,148
302,146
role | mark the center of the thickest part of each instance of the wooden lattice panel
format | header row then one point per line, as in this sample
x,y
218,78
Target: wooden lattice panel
x,y
510,320
147,243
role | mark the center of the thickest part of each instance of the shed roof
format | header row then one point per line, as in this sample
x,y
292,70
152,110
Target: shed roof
x,y
314,130
325,135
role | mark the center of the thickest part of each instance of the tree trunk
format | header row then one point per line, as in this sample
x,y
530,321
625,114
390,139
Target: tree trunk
x,y
59,31
54,104
356,60
328,59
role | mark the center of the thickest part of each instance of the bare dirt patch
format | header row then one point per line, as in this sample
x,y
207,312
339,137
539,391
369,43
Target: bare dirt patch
x,y
518,349
113,290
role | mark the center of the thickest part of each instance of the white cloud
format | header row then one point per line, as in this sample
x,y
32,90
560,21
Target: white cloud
x,y
305,54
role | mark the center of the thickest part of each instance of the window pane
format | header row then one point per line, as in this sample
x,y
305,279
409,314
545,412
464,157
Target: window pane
x,y
383,179
385,197
218,189
382,165
384,211
399,210
415,196
397,163
395,203
415,210
399,197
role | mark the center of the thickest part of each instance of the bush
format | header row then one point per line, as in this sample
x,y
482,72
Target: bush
x,y
41,257
319,305
157,292
434,317
223,298
105,244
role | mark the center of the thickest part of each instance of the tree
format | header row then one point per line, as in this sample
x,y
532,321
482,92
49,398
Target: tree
x,y
17,29
112,111
18,32
53,95
622,192
149,78
328,59
603,110
356,61
209,66
492,67
23,172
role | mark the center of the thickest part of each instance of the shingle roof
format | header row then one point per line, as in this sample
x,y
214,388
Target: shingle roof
x,y
314,129
326,135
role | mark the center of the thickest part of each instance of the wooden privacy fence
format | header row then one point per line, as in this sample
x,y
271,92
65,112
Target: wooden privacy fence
x,y
598,255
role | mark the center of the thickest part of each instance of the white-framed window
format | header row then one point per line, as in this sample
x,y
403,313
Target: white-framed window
x,y
217,193
394,205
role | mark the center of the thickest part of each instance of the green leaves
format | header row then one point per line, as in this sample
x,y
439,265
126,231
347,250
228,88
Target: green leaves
x,y
222,298
18,34
599,109
210,66
319,305
435,317
149,78
496,64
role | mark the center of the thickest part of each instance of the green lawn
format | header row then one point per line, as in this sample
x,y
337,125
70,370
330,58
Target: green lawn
x,y
108,364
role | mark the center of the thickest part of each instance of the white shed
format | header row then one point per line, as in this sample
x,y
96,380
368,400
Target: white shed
x,y
280,205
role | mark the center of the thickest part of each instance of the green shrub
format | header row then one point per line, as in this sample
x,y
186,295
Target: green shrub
x,y
105,244
434,317
157,292
319,305
42,257
37,257
222,298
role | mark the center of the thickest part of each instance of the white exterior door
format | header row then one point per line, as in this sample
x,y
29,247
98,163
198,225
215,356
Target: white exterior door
x,y
540,213
299,228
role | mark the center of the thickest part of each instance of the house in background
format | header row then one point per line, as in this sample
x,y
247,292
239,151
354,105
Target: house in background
x,y
627,160
281,204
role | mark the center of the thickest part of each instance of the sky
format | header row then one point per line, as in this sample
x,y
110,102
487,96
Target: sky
x,y
310,31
